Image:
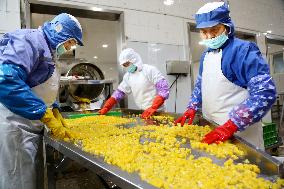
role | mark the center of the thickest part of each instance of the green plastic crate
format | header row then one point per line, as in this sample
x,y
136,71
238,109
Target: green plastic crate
x,y
112,113
270,134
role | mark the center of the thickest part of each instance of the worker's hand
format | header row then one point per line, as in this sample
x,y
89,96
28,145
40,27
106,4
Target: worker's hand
x,y
148,112
157,102
54,125
107,106
103,111
58,116
221,133
188,114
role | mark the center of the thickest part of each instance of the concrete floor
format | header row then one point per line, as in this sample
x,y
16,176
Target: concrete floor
x,y
82,180
77,177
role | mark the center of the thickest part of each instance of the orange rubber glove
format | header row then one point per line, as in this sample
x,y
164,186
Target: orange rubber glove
x,y
188,114
221,133
107,106
157,102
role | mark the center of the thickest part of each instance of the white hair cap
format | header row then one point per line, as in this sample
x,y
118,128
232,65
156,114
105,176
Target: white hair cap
x,y
129,55
208,7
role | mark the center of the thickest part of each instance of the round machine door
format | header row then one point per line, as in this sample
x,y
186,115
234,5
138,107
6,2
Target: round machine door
x,y
86,71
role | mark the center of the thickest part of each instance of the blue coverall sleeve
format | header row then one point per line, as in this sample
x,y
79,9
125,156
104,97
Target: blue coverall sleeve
x,y
253,71
196,97
56,105
16,95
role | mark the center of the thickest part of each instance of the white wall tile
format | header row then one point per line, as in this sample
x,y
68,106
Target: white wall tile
x,y
256,15
9,21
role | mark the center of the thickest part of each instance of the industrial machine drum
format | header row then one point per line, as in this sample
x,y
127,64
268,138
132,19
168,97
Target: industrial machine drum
x,y
87,71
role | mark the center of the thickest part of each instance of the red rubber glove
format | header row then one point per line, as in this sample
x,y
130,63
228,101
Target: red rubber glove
x,y
107,106
221,133
157,102
190,113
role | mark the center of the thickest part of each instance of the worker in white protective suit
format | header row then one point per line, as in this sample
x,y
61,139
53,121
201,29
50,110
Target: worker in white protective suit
x,y
234,87
148,86
28,88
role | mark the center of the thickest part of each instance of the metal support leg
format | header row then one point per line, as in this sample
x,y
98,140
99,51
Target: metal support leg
x,y
51,177
282,115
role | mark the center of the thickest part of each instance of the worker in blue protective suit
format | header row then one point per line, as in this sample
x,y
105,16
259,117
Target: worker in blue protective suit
x,y
28,87
234,87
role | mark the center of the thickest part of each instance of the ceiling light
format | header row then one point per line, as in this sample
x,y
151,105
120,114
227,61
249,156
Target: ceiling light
x,y
95,57
96,9
168,2
105,45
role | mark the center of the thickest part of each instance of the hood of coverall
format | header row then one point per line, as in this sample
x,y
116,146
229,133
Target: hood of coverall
x,y
214,13
129,55
62,28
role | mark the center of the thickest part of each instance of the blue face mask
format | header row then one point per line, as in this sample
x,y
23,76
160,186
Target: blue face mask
x,y
61,50
215,42
132,68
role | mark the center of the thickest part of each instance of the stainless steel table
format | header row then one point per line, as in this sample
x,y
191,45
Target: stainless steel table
x,y
269,166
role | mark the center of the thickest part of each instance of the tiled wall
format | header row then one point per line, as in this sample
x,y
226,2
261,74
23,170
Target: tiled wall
x,y
149,22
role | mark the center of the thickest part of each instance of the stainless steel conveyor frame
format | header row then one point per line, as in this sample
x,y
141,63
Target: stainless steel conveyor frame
x,y
269,166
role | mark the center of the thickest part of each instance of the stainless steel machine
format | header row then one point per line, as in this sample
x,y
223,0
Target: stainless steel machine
x,y
82,85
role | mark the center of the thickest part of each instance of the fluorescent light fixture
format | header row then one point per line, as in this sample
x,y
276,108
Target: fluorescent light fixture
x,y
105,45
96,9
168,2
269,31
95,57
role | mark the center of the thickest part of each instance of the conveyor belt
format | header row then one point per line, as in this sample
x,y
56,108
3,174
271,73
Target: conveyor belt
x,y
269,166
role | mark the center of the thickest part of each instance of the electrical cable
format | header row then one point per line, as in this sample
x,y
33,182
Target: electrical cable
x,y
176,94
175,81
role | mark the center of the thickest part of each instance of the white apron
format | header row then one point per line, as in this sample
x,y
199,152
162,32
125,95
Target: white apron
x,y
143,90
21,143
220,96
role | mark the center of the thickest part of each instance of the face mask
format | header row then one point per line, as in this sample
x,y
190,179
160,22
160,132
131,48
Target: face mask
x,y
132,68
61,50
215,42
